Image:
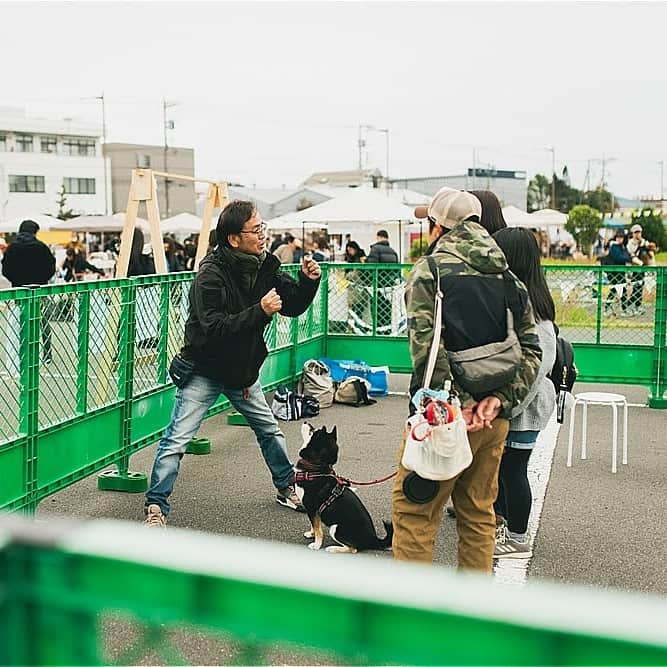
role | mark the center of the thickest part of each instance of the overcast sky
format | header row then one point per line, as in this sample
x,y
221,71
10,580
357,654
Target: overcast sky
x,y
270,92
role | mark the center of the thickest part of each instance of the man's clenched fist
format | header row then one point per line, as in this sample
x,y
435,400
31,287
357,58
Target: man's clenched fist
x,y
271,302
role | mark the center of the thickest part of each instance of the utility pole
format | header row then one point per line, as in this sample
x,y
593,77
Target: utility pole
x,y
360,145
474,167
552,150
104,153
662,182
168,125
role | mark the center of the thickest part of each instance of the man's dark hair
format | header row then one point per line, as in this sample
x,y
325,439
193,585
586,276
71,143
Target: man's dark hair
x,y
383,234
28,226
288,238
232,218
492,213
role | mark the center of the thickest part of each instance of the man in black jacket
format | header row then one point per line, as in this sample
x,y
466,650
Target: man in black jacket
x,y
381,252
236,292
28,261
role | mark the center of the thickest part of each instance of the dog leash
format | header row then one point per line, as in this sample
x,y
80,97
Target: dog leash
x,y
304,476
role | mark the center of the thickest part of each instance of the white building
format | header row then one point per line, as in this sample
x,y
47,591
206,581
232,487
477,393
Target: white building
x,y
510,186
38,156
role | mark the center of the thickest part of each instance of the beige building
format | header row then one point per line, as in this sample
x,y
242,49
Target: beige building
x,y
173,196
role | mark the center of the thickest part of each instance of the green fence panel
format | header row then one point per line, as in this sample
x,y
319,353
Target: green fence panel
x,y
91,358
56,602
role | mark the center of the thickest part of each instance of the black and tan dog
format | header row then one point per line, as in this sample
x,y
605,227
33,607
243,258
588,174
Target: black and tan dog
x,y
329,500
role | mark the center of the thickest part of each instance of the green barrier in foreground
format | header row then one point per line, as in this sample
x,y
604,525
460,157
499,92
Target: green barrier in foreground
x,y
57,582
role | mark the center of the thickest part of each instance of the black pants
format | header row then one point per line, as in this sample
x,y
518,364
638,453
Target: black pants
x,y
636,297
514,495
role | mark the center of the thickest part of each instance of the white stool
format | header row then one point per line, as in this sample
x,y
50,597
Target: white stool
x,y
600,398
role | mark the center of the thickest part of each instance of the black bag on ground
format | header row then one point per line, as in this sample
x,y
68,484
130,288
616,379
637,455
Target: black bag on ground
x,y
290,406
181,371
353,391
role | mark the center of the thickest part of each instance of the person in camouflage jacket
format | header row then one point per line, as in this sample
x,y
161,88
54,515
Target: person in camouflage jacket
x,y
465,247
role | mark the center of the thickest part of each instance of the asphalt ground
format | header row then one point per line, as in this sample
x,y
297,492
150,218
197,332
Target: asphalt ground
x,y
596,529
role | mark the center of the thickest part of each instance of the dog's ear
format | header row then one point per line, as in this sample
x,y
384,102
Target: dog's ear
x,y
333,432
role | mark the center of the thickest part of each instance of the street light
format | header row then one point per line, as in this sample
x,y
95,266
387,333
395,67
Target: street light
x,y
552,150
104,141
167,125
362,143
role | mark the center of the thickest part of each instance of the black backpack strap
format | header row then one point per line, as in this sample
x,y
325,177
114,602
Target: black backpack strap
x,y
512,299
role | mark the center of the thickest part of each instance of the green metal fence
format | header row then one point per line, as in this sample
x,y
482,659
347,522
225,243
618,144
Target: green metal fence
x,y
111,593
83,367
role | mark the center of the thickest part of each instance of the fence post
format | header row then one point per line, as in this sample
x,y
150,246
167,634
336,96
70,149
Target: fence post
x,y
659,386
83,328
122,479
29,400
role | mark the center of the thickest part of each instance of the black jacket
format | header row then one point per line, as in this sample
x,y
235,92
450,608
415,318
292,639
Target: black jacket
x,y
28,261
224,334
382,253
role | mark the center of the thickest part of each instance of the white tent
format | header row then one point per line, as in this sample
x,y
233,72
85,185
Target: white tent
x,y
97,223
360,212
549,217
45,223
515,217
181,223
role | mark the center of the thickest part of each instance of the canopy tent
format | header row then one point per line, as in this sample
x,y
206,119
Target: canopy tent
x,y
180,224
359,212
98,223
549,217
45,223
515,217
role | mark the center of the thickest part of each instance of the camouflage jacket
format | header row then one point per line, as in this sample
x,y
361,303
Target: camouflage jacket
x,y
468,243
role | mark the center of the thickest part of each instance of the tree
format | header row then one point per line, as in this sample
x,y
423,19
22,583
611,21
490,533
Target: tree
x,y
653,228
584,223
600,199
63,213
418,248
539,193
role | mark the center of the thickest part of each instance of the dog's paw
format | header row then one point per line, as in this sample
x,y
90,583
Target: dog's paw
x,y
315,546
341,550
309,534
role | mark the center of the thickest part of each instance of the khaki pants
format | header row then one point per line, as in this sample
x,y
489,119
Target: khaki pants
x,y
473,493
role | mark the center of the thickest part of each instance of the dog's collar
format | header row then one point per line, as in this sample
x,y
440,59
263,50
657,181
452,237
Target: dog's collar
x,y
308,466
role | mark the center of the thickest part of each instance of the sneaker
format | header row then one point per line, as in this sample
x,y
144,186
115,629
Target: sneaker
x,y
501,529
506,547
289,498
154,517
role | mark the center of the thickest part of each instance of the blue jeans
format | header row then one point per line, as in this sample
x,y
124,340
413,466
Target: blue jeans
x,y
190,408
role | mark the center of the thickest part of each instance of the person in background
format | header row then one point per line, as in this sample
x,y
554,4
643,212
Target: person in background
x,y
381,252
354,253
141,261
28,261
515,499
285,252
276,243
174,263
642,255
618,255
316,252
298,251
76,265
492,212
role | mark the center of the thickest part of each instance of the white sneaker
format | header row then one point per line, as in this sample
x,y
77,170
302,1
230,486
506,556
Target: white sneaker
x,y
506,547
154,517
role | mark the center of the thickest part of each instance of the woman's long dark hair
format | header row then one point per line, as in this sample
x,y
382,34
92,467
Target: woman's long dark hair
x,y
492,213
523,257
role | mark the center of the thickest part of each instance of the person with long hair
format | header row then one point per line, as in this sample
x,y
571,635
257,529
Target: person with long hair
x,y
492,213
515,499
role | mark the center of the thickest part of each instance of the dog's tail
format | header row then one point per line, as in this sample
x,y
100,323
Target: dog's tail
x,y
385,542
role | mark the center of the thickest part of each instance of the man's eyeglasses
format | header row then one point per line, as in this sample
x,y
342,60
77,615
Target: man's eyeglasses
x,y
260,230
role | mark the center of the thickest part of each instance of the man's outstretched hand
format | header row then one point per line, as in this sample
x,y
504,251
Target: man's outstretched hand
x,y
311,268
